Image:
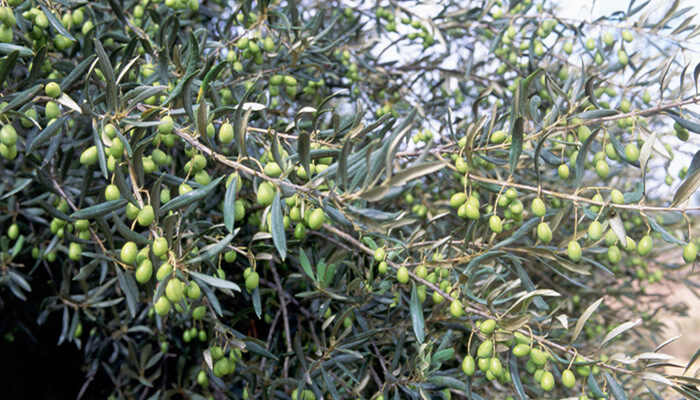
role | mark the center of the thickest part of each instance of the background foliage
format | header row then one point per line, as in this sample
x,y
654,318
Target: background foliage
x,y
324,199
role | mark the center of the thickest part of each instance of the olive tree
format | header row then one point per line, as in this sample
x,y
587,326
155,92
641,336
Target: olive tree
x,y
313,199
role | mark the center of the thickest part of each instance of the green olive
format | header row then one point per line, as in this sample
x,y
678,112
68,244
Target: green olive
x,y
538,357
485,349
146,216
52,89
144,271
252,281
75,251
456,309
8,135
13,232
595,231
521,350
690,252
544,233
112,193
617,197
547,381
488,327
129,252
160,246
379,254
495,224
164,271
162,306
568,379
538,207
166,125
402,275
573,250
266,194
458,199
469,365
316,219
602,169
193,291
173,290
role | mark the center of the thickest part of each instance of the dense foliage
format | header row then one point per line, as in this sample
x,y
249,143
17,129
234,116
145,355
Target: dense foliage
x,y
310,199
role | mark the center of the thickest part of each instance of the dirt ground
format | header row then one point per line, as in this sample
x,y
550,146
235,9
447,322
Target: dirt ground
x,y
689,327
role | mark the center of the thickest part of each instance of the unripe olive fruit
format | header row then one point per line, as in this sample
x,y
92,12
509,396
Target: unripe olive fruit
x,y
495,366
568,379
602,169
116,150
538,357
226,133
456,309
272,169
51,110
583,133
498,137
458,199
316,218
421,271
230,256
299,231
266,194
617,197
160,246
382,267
568,48
573,250
622,57
132,212
89,156
52,89
13,232
469,365
402,275
252,281
144,271
173,290
8,135
495,224
461,165
485,349
471,211
164,271
645,245
146,216
690,252
631,152
202,379
193,291
538,207
82,224
488,327
199,312
613,254
544,233
547,381
75,251
521,350
166,125
162,306
563,171
379,254
129,252
112,193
